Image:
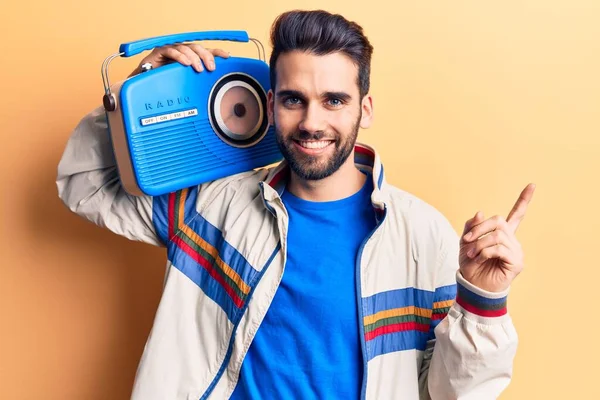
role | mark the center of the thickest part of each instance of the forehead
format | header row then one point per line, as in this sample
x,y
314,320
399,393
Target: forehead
x,y
308,72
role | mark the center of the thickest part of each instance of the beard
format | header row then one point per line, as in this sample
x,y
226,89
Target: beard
x,y
313,168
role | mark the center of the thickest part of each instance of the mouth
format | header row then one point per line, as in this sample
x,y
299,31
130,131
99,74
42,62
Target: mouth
x,y
313,147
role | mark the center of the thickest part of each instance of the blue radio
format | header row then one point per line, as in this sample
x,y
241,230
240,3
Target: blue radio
x,y
172,127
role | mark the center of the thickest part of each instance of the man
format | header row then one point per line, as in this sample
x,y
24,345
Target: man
x,y
314,279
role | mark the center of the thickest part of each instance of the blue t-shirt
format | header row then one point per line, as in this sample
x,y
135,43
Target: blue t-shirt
x,y
308,345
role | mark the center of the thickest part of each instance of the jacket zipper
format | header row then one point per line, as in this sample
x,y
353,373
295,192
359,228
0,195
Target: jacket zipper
x,y
363,344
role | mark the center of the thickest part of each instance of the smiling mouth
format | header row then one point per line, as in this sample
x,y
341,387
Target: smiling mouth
x,y
313,144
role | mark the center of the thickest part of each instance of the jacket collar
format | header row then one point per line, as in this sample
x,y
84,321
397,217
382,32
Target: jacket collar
x,y
365,158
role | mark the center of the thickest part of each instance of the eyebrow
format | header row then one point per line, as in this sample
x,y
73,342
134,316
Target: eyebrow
x,y
296,93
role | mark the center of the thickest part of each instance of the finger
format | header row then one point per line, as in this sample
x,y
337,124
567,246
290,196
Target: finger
x,y
172,53
487,226
477,219
192,56
206,56
498,251
517,213
493,239
220,53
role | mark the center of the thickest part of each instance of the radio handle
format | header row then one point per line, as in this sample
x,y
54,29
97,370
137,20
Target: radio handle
x,y
132,48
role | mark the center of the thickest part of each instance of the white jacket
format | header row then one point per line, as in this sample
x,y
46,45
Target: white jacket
x,y
226,248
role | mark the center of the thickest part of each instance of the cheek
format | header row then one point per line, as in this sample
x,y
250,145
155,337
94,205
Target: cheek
x,y
343,121
286,120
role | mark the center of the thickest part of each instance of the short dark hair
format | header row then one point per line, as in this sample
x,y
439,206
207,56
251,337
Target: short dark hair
x,y
320,32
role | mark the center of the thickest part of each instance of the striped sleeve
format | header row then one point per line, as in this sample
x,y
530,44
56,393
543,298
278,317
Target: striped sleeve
x,y
171,210
475,342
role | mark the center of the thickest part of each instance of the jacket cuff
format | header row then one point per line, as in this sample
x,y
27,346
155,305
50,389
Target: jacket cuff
x,y
478,301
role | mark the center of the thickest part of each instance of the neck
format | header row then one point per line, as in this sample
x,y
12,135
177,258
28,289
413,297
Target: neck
x,y
345,182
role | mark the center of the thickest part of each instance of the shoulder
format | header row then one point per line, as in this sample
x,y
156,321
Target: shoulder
x,y
212,200
236,189
242,186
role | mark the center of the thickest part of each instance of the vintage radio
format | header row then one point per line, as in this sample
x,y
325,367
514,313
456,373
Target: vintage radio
x,y
173,127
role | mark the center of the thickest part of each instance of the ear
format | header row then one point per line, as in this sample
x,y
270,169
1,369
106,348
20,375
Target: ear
x,y
270,106
366,107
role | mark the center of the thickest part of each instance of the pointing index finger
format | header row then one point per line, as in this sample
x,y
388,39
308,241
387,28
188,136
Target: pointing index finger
x,y
517,213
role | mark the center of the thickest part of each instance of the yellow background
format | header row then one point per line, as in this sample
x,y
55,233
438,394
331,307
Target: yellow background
x,y
473,100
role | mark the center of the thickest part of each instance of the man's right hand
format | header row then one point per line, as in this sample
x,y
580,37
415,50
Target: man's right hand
x,y
187,54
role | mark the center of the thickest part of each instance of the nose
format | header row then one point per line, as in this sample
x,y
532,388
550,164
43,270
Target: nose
x,y
313,120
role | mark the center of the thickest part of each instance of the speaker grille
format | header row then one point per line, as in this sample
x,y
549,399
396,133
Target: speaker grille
x,y
191,149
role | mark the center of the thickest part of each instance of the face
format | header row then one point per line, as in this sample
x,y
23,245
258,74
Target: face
x,y
317,111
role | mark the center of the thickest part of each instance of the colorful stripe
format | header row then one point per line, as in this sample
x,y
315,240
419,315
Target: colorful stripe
x,y
443,299
280,175
398,298
205,257
441,308
397,320
401,340
480,305
404,319
396,312
204,253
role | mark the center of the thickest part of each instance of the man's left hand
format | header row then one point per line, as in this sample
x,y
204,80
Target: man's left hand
x,y
490,254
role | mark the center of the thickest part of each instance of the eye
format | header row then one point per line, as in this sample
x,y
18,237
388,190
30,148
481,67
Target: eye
x,y
292,101
335,102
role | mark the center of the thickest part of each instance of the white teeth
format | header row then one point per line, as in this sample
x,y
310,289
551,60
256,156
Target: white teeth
x,y
315,145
